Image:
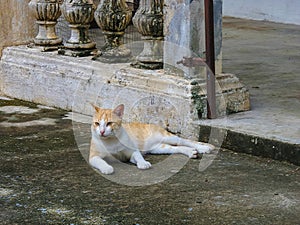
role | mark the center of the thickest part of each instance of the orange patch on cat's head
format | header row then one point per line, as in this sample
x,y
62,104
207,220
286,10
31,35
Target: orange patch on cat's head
x,y
108,115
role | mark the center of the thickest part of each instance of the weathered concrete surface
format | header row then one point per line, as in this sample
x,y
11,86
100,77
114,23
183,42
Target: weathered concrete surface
x,y
74,83
265,56
45,180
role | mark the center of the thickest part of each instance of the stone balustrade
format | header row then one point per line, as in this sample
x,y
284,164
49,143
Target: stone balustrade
x,y
156,21
113,17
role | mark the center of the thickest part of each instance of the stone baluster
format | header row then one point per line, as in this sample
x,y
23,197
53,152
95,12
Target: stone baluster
x,y
113,17
46,13
79,14
149,21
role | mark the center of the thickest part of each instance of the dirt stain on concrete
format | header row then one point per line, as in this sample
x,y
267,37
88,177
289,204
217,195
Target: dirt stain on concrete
x,y
45,180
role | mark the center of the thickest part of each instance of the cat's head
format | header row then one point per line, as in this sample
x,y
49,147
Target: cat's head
x,y
106,122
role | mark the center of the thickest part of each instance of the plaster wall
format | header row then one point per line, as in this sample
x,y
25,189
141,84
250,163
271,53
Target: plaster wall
x,y
16,22
287,11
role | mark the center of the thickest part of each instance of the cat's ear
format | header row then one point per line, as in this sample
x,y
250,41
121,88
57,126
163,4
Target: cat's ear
x,y
119,110
97,109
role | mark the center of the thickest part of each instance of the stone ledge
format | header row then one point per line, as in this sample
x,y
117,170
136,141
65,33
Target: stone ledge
x,y
254,144
149,96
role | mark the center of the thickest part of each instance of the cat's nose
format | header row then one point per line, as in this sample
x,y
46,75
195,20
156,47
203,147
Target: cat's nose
x,y
102,132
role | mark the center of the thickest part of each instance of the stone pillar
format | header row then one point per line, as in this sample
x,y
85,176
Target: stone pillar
x,y
12,33
184,30
184,34
79,14
149,21
46,13
218,12
113,17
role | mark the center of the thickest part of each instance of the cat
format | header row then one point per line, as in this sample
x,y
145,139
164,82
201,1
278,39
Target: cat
x,y
130,141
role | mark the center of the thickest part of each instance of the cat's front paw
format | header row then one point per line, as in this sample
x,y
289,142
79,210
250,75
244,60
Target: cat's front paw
x,y
107,170
99,164
143,165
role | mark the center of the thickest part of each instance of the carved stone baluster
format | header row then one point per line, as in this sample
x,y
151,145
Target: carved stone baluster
x,y
79,14
113,17
46,13
149,21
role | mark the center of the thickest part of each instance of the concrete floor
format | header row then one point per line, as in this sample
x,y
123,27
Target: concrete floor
x,y
44,178
265,56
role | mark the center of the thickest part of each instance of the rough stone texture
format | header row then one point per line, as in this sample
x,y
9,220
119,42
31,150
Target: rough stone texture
x,y
45,180
47,77
149,96
17,23
253,144
265,56
184,26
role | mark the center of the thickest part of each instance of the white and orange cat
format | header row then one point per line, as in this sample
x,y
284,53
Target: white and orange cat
x,y
130,141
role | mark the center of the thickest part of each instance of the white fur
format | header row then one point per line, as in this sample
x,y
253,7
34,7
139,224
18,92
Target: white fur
x,y
120,143
123,146
101,165
139,160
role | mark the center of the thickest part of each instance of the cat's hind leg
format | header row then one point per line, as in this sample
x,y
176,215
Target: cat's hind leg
x,y
138,159
171,149
178,141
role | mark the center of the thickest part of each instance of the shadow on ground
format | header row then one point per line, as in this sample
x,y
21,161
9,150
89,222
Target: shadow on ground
x,y
45,180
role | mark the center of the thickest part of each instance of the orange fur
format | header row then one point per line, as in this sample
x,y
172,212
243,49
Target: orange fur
x,y
127,140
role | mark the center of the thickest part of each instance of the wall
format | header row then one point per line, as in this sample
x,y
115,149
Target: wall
x,y
282,11
17,25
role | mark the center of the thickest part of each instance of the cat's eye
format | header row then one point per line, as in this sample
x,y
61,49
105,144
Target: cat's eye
x,y
109,123
97,124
